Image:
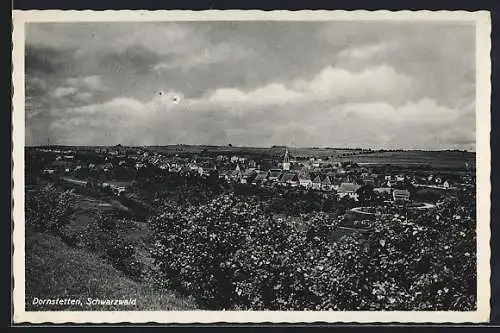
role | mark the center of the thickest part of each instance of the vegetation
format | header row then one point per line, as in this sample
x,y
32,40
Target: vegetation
x,y
55,269
240,247
230,254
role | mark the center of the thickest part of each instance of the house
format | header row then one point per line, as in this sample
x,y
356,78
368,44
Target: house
x,y
174,168
224,175
185,170
247,176
221,158
336,183
290,179
234,159
316,183
326,184
369,180
350,190
274,174
400,178
387,190
305,177
446,184
235,174
260,178
401,195
305,181
201,171
121,150
49,171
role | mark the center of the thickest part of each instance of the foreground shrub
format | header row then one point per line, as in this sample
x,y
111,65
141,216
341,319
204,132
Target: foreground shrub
x,y
49,209
102,236
231,254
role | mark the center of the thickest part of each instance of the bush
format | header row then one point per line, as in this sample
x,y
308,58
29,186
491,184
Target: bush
x,y
231,254
101,236
49,209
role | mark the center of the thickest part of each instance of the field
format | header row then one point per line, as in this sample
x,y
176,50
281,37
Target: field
x,y
434,159
249,151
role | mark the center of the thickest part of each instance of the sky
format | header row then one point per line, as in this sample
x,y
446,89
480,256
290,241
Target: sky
x,y
389,85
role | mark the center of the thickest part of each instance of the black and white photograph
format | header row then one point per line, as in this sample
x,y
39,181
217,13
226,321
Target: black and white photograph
x,y
198,167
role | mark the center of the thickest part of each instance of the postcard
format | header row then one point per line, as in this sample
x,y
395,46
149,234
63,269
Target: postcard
x,y
251,166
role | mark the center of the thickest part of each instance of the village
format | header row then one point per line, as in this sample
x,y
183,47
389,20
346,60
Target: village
x,y
117,167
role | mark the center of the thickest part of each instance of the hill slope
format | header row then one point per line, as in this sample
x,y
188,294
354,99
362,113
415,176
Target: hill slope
x,y
53,269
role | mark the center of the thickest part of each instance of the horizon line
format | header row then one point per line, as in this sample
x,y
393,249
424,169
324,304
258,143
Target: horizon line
x,y
255,147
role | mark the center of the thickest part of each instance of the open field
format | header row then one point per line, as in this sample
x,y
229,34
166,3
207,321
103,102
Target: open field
x,y
434,159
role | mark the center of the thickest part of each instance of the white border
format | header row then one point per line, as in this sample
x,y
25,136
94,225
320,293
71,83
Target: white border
x,y
483,69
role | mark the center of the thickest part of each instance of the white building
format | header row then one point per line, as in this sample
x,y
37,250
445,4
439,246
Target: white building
x,y
348,189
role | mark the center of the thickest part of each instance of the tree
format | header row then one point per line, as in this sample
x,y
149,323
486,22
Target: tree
x,y
49,209
366,193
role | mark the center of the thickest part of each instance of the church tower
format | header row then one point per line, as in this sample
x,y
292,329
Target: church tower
x,y
286,161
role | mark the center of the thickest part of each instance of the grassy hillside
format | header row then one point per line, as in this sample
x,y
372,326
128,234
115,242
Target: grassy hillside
x,y
54,269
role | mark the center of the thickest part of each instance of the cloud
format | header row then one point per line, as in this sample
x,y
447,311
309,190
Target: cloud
x,y
87,38
83,96
271,94
439,57
219,53
61,92
367,51
373,84
422,124
92,82
332,84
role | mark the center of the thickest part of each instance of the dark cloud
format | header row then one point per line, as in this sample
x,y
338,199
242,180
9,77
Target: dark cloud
x,y
373,84
134,60
45,60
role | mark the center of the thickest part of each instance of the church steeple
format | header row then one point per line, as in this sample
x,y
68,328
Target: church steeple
x,y
286,160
